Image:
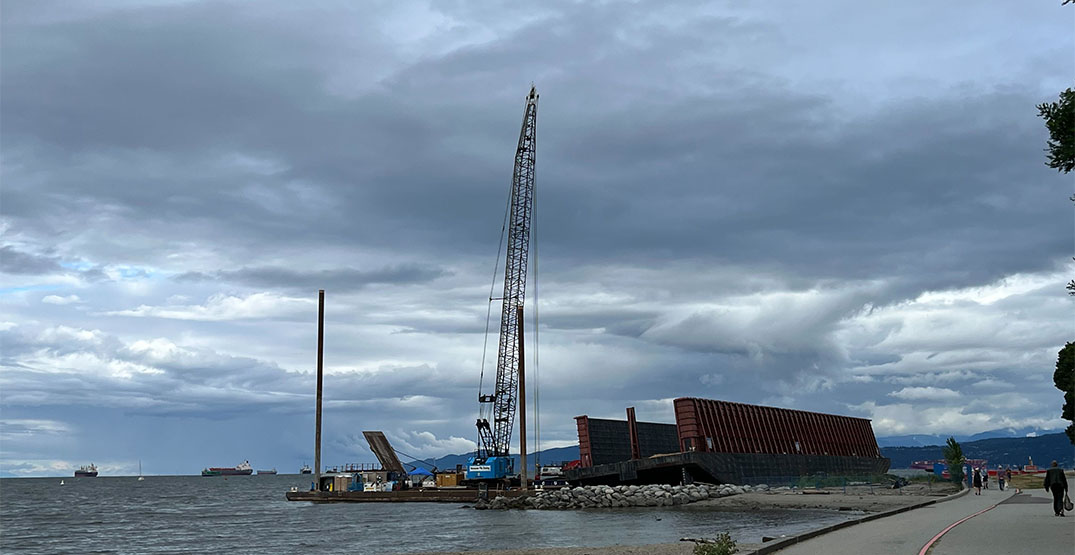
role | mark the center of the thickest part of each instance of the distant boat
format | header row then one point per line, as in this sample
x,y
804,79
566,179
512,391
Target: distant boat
x,y
89,471
241,469
306,469
269,472
140,478
61,482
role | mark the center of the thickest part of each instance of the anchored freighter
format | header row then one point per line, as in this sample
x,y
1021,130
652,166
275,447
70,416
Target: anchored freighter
x,y
241,469
87,472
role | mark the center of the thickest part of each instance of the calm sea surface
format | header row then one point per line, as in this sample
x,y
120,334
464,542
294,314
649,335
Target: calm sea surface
x,y
249,514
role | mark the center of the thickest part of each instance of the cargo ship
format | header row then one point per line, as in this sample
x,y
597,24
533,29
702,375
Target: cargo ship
x,y
241,469
87,472
268,472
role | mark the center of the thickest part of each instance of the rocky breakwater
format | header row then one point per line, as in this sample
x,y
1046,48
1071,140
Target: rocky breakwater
x,y
593,497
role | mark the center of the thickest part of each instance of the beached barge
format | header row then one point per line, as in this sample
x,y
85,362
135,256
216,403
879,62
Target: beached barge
x,y
725,442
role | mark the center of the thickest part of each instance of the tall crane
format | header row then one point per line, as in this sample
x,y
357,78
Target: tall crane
x,y
492,462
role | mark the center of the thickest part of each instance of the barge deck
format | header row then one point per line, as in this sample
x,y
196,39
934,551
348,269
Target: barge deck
x,y
460,495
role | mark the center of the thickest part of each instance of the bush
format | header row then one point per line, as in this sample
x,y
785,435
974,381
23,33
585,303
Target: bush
x,y
722,545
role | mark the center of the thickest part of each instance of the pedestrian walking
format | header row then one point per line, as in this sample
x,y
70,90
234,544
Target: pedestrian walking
x,y
978,481
1000,478
1008,474
1057,483
985,478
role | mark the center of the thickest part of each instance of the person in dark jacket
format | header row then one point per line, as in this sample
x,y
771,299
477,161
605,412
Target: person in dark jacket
x,y
1057,483
977,481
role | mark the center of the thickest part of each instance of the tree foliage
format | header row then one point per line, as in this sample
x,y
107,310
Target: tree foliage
x,y
953,456
1064,378
1060,120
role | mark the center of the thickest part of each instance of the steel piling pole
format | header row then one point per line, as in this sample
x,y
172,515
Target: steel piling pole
x,y
522,400
320,377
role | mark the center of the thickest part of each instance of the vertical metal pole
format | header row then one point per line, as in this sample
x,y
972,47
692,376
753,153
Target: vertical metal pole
x,y
522,399
320,376
632,432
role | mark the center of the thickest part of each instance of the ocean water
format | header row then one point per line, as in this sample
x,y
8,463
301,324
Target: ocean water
x,y
249,514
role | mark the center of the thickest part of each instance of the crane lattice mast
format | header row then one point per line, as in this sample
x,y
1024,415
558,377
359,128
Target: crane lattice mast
x,y
495,437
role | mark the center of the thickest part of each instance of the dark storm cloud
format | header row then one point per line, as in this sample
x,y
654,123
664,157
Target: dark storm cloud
x,y
15,262
338,279
751,171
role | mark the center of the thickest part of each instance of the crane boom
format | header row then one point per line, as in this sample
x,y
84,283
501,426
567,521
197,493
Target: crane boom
x,y
494,438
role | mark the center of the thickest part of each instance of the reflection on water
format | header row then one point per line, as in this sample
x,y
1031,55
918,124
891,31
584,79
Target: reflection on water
x,y
192,514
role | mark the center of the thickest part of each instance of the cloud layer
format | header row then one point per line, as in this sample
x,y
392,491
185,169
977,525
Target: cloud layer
x,y
838,208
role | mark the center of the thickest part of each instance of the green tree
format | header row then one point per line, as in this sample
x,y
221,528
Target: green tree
x,y
953,455
1060,120
1064,378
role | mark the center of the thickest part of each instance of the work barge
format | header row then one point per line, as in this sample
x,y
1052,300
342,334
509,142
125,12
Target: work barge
x,y
451,495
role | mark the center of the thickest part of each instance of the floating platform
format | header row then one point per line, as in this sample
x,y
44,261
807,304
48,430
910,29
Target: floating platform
x,y
723,468
447,495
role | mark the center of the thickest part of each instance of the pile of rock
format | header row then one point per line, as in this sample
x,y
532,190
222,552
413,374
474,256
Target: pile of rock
x,y
591,497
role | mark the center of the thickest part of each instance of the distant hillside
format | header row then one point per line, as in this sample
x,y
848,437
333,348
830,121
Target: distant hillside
x,y
1006,451
923,440
1013,451
548,456
918,440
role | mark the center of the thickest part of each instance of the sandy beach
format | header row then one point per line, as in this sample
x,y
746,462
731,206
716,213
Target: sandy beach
x,y
859,498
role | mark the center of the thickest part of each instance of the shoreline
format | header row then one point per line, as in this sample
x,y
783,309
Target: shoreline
x,y
870,503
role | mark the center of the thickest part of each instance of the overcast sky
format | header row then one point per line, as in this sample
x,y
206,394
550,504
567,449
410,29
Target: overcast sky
x,y
829,206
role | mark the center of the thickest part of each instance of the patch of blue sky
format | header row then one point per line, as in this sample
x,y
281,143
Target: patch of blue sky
x,y
134,272
79,266
16,290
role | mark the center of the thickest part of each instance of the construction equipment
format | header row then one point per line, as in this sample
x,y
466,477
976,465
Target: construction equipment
x,y
492,462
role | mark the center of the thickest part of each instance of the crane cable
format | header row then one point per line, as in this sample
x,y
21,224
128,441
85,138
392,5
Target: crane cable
x,y
489,311
536,382
415,459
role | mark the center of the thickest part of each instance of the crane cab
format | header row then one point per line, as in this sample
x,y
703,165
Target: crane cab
x,y
492,468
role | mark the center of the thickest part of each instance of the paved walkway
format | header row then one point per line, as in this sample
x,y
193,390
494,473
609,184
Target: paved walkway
x,y
1018,525
1022,524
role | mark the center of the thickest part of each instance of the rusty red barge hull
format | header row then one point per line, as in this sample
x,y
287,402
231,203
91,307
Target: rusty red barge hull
x,y
725,442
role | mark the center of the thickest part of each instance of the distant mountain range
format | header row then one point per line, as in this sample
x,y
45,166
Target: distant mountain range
x,y
1004,449
922,440
998,451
